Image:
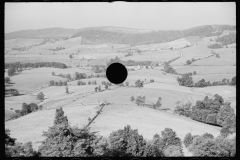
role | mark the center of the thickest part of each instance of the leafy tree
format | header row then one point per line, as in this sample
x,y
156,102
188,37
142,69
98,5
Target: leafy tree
x,y
208,135
106,87
33,107
96,89
229,126
53,73
40,96
212,119
127,142
173,151
225,112
55,83
233,81
127,83
89,82
140,100
188,62
139,83
132,98
152,150
67,89
185,80
40,107
188,139
51,83
7,80
169,138
64,83
60,83
194,73
159,103
11,71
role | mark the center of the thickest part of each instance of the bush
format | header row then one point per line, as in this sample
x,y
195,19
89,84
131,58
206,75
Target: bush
x,y
53,73
139,83
51,83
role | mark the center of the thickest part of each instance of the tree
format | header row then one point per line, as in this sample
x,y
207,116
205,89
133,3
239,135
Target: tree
x,y
40,107
53,73
132,98
229,126
33,107
64,83
194,73
233,82
99,88
67,89
55,83
106,87
40,96
96,89
139,83
51,83
212,119
127,142
188,139
188,62
7,80
173,151
140,100
11,71
127,83
159,103
224,112
60,83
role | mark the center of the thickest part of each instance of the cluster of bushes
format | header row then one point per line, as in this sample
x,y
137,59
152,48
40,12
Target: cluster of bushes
x,y
169,69
208,146
203,83
151,80
35,65
60,83
98,69
211,111
227,39
187,80
215,46
26,109
188,62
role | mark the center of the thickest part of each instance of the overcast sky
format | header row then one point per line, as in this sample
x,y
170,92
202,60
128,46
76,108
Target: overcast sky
x,y
155,16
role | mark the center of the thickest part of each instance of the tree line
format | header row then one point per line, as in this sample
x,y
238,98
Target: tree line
x,y
211,111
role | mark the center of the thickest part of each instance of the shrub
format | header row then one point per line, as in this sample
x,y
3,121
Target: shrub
x,y
53,73
7,80
132,98
51,83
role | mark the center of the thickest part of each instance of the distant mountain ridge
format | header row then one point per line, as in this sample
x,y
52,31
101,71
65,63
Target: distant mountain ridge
x,y
120,35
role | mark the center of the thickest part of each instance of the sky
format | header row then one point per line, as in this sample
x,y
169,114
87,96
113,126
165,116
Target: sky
x,y
153,16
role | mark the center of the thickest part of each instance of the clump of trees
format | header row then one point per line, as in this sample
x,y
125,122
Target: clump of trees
x,y
215,46
185,80
60,83
183,109
79,83
188,62
35,65
26,109
208,146
169,69
11,71
227,39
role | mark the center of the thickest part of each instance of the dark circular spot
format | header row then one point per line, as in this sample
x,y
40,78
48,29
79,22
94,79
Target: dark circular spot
x,y
116,73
